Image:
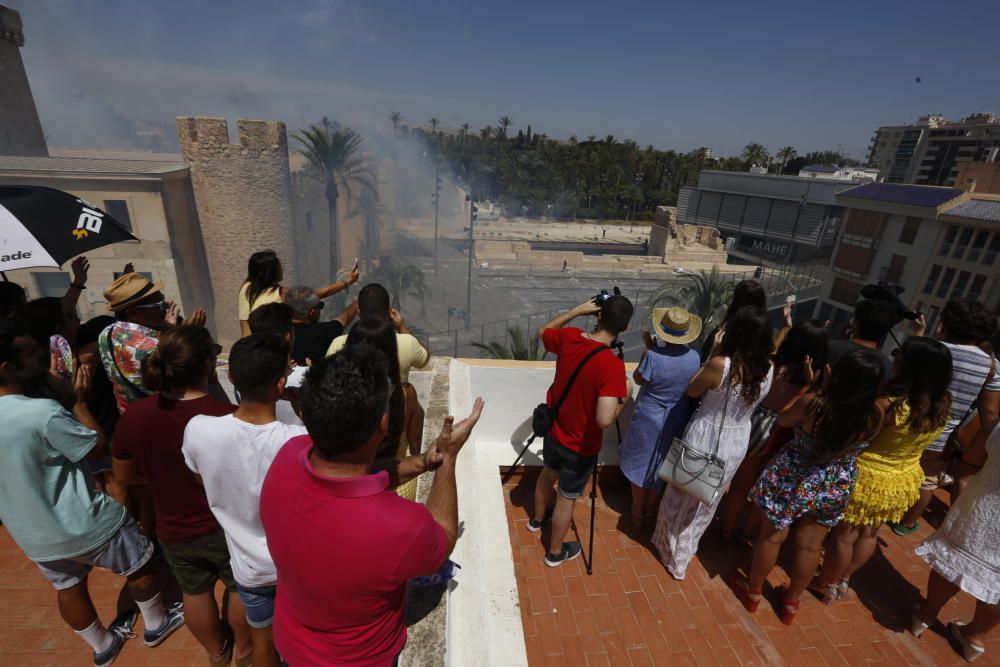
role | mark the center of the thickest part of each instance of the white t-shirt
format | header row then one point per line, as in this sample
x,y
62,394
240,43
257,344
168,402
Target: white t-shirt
x,y
232,457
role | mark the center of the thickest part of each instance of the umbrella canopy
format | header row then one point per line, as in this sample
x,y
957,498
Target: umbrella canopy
x,y
45,227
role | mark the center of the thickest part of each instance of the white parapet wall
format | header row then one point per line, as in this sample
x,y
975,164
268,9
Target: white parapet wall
x,y
484,618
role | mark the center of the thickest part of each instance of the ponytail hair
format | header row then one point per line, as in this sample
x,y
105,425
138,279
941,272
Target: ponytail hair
x,y
180,360
922,380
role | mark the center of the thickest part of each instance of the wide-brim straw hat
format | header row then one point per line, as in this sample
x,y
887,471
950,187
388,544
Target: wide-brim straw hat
x,y
129,289
676,325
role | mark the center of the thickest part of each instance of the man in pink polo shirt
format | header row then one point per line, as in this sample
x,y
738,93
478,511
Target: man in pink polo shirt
x,y
343,543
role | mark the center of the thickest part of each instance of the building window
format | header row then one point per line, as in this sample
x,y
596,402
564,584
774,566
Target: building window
x,y
145,274
894,272
991,252
932,318
932,279
949,275
845,291
118,209
51,283
963,280
977,246
963,243
910,228
976,290
949,239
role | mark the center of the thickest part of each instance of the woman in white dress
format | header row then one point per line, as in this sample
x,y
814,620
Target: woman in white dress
x,y
964,554
733,381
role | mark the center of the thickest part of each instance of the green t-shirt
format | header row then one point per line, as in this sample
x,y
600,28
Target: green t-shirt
x,y
47,497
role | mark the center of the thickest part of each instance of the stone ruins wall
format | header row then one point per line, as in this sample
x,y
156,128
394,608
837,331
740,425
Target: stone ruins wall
x,y
242,193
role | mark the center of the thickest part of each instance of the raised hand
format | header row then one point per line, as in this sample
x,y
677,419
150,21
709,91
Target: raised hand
x,y
787,310
919,325
173,315
129,268
588,307
81,267
198,318
82,382
396,318
355,274
453,436
648,339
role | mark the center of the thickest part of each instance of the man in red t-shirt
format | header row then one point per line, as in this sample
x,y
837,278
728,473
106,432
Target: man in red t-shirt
x,y
343,543
594,402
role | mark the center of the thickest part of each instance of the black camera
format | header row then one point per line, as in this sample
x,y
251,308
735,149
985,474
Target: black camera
x,y
603,297
889,293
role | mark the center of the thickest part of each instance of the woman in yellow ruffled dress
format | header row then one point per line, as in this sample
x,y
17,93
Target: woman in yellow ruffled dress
x,y
917,405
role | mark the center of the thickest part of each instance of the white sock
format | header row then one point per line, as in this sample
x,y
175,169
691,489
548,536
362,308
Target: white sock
x,y
153,614
97,636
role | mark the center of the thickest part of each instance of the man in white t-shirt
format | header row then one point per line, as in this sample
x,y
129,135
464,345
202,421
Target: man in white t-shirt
x,y
232,454
964,326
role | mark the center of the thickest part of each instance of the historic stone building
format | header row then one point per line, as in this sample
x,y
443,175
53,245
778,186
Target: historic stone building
x,y
243,195
20,130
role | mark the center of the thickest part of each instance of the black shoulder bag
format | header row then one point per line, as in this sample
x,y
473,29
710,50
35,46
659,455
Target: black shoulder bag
x,y
544,417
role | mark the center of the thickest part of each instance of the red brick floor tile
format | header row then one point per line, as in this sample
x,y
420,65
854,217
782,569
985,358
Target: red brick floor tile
x,y
573,651
565,621
614,646
598,660
590,634
640,657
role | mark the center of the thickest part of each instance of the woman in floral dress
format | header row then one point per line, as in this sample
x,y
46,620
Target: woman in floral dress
x,y
810,481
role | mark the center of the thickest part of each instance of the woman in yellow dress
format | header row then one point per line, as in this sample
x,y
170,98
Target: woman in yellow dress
x,y
382,336
263,285
917,406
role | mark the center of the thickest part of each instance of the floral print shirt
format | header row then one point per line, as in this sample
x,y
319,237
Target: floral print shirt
x,y
60,357
123,346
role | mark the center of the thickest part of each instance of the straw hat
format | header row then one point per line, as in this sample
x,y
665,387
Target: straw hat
x,y
129,289
676,325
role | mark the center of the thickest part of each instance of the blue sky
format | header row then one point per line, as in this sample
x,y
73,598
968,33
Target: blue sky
x,y
675,75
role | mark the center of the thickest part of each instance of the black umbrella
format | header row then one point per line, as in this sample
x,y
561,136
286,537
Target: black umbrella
x,y
45,227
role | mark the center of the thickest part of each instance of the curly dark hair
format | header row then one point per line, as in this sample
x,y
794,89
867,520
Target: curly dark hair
x,y
921,379
746,293
807,338
846,411
343,397
748,344
967,322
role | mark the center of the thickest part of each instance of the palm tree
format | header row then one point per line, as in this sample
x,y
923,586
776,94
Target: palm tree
x,y
785,153
502,126
754,154
401,279
434,125
464,130
522,347
368,208
395,118
335,159
706,294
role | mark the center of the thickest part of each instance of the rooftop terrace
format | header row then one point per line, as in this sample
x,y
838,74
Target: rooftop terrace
x,y
505,608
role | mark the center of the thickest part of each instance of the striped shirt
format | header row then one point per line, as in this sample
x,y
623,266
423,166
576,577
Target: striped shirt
x,y
970,368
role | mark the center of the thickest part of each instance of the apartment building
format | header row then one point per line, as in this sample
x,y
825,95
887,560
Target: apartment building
x,y
929,151
936,243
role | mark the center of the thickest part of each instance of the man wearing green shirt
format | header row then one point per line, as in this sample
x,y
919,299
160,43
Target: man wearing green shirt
x,y
49,504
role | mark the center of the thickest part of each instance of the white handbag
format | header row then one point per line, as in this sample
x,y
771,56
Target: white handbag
x,y
694,471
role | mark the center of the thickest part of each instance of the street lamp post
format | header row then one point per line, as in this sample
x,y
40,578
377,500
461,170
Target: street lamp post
x,y
468,293
437,199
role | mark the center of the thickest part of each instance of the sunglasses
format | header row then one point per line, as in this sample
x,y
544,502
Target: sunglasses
x,y
161,305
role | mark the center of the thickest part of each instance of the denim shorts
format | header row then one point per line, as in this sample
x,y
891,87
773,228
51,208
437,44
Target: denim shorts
x,y
574,470
259,604
125,553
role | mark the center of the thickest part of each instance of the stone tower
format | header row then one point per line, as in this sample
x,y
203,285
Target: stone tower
x,y
243,195
20,130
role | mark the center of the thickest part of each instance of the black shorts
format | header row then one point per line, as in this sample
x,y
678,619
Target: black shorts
x,y
573,469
